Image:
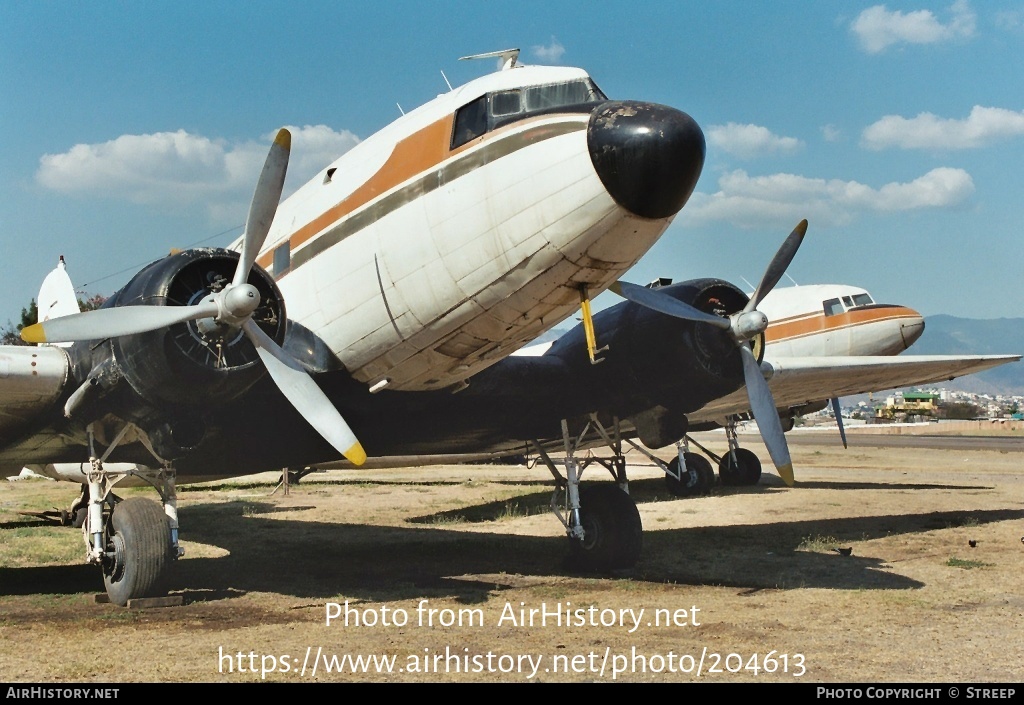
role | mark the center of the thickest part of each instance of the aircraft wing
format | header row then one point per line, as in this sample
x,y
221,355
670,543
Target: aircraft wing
x,y
31,380
795,381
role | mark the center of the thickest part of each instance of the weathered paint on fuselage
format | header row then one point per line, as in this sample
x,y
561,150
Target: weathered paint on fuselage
x,y
408,266
420,265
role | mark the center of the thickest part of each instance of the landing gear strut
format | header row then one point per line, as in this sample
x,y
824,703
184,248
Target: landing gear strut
x,y
738,467
601,520
134,541
688,474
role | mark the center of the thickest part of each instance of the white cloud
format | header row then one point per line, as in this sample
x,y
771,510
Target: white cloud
x,y
778,199
748,141
878,28
313,148
831,133
1012,20
550,53
177,168
928,131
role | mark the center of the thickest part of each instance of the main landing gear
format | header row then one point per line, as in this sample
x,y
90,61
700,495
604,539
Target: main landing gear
x,y
133,541
738,467
690,474
600,519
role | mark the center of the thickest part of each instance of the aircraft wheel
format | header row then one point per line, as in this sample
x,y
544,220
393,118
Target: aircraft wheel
x,y
78,517
747,471
140,544
698,478
613,534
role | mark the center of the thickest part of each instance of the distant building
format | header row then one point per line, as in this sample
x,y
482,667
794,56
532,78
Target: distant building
x,y
903,405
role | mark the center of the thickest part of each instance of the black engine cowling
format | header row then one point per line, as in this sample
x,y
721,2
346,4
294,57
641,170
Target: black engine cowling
x,y
195,363
658,362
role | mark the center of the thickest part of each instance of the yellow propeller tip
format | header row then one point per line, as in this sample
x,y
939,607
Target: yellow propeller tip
x,y
33,333
356,455
802,227
284,138
786,473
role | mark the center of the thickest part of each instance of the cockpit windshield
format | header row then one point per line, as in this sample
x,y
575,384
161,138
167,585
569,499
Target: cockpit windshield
x,y
502,107
833,307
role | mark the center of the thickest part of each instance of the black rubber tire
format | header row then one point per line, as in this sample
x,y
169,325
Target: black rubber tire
x,y
144,535
613,534
697,480
703,466
79,517
744,473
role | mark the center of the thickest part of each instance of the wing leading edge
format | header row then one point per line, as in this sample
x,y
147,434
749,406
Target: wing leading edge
x,y
795,381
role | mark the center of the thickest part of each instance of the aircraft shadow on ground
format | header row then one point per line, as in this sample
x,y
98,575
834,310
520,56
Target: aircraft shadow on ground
x,y
385,563
314,559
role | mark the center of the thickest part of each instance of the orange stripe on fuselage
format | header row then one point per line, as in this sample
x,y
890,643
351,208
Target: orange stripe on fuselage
x,y
413,155
803,325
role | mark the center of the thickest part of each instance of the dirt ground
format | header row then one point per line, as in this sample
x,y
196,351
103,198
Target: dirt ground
x,y
457,573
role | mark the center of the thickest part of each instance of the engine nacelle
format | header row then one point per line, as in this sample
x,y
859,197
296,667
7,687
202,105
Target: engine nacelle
x,y
197,364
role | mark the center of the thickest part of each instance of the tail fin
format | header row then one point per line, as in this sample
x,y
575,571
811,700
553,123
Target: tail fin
x,y
57,296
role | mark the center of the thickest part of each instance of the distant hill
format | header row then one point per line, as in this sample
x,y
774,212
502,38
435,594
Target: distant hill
x,y
949,335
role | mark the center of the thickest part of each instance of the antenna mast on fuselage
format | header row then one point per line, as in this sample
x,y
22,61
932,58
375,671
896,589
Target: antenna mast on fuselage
x,y
508,57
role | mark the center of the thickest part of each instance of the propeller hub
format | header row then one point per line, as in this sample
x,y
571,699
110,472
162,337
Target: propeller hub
x,y
239,302
749,324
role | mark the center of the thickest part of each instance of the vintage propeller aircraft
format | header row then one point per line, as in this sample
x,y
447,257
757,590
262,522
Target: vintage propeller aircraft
x,y
424,255
413,266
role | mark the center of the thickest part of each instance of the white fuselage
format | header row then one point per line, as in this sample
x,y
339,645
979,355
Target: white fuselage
x,y
835,319
419,264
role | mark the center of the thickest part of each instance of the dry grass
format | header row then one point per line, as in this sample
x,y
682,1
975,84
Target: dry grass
x,y
913,601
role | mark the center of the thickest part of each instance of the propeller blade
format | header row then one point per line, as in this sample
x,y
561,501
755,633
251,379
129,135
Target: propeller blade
x,y
763,405
777,267
652,299
302,392
113,322
839,419
264,204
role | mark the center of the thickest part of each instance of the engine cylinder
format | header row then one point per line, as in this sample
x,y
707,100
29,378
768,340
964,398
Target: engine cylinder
x,y
197,363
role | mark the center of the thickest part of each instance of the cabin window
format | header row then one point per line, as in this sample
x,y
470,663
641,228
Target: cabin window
x,y
470,122
862,300
832,307
282,259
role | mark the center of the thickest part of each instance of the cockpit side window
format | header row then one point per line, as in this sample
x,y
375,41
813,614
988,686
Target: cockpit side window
x,y
862,300
848,300
470,122
554,95
503,107
505,103
832,307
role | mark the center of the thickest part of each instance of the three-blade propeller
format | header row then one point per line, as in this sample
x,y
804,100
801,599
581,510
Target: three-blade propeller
x,y
232,306
742,326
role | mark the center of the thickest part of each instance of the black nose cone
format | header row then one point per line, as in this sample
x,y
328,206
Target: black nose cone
x,y
648,156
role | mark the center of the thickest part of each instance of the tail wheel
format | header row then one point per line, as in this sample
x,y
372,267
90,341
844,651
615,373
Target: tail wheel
x,y
696,479
613,534
139,551
745,470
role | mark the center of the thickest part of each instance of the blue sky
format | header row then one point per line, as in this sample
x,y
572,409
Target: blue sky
x,y
896,129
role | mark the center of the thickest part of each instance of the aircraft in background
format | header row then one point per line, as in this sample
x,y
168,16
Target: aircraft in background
x,y
662,377
836,319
